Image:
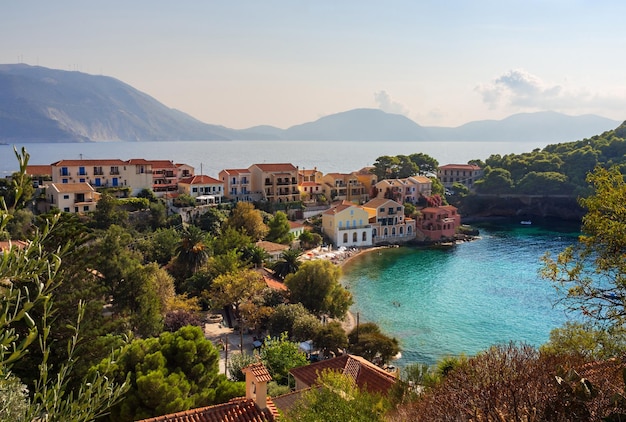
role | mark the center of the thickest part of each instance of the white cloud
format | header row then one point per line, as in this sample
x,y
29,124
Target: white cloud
x,y
520,90
386,104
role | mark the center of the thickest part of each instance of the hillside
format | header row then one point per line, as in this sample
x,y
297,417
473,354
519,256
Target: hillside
x,y
46,105
38,104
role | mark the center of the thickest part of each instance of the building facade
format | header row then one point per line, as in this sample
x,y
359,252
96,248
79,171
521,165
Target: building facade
x,y
347,224
389,225
465,174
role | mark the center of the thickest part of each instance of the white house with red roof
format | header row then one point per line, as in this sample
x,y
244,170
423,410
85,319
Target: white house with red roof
x,y
71,197
205,189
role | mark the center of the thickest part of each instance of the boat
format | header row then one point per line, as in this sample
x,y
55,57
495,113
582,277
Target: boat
x,y
526,222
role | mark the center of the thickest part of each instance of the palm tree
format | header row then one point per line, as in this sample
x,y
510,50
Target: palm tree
x,y
193,248
255,255
288,264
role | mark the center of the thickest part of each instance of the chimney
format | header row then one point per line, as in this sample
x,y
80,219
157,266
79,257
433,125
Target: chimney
x,y
257,378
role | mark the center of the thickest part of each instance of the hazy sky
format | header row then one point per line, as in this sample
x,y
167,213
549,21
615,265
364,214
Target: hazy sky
x,y
281,63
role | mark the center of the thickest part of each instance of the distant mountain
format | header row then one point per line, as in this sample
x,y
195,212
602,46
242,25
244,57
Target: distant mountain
x,y
359,125
541,126
45,105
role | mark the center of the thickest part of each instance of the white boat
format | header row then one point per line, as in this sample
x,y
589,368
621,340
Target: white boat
x,y
526,222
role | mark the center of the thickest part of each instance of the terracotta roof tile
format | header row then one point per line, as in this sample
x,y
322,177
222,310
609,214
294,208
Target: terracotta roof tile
x,y
366,374
200,180
72,187
236,410
287,167
271,246
259,371
39,170
89,162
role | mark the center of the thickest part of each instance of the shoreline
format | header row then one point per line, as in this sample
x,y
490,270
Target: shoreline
x,y
349,321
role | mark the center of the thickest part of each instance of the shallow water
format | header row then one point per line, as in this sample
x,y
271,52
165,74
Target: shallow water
x,y
462,300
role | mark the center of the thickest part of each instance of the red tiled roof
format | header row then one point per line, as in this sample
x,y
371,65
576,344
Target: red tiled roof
x,y
271,246
72,187
6,245
236,171
39,170
161,164
377,202
89,162
199,180
364,373
460,167
259,371
236,410
338,208
276,167
139,161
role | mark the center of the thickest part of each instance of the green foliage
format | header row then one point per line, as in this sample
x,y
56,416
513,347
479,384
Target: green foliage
x,y
338,399
309,239
212,221
134,204
173,372
368,341
279,229
108,212
279,355
544,183
288,263
148,194
587,341
495,180
193,249
427,165
284,317
160,246
14,400
245,217
184,200
316,285
592,274
331,337
236,363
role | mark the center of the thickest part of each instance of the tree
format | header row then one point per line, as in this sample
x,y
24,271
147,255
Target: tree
x,y
587,341
338,399
331,338
193,249
495,181
212,221
509,383
316,285
245,217
385,167
28,279
279,229
427,165
309,239
108,212
238,288
284,317
255,255
592,274
288,263
170,373
279,355
368,341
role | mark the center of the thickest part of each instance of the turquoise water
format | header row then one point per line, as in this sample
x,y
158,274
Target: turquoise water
x,y
463,299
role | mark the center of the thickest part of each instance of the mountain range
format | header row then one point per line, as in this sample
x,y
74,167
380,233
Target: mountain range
x,y
39,104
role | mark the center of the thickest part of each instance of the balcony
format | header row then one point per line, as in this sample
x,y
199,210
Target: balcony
x,y
366,226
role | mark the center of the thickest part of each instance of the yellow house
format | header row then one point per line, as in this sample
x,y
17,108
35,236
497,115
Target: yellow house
x,y
389,225
345,187
347,225
72,197
276,182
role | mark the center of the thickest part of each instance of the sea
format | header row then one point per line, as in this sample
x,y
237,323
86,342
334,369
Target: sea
x,y
436,302
463,299
209,157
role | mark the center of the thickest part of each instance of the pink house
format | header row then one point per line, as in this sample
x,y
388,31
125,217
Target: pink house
x,y
437,223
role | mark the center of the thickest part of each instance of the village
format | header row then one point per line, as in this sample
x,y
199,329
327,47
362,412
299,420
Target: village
x,y
357,209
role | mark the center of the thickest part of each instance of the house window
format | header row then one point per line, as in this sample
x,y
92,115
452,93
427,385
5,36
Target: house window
x,y
66,197
115,170
364,237
86,208
66,209
65,171
64,181
194,190
81,171
354,237
97,171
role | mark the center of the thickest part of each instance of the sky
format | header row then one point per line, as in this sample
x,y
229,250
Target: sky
x,y
245,63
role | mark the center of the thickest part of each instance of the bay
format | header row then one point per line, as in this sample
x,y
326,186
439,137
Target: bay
x,y
209,157
464,299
